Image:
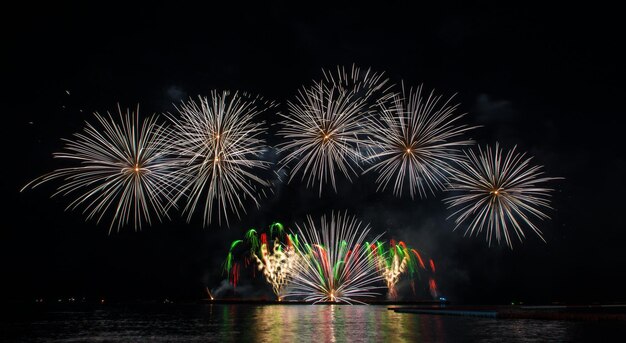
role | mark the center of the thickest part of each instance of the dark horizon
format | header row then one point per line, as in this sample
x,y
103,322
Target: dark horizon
x,y
547,81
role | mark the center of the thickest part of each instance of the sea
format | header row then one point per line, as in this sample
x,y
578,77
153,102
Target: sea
x,y
170,322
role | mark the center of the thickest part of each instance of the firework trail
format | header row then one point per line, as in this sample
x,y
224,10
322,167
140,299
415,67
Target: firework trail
x,y
120,167
325,126
499,194
222,151
413,142
432,284
335,263
230,266
209,294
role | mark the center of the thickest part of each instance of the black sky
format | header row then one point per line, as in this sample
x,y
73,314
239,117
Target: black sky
x,y
549,80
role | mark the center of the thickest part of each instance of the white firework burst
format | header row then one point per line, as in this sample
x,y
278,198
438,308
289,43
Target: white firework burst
x,y
121,167
414,141
325,126
222,152
499,194
334,262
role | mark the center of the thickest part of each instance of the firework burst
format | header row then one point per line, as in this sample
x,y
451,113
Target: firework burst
x,y
222,151
335,263
499,194
325,126
413,142
121,168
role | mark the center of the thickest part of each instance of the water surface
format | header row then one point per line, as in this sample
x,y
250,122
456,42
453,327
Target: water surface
x,y
280,323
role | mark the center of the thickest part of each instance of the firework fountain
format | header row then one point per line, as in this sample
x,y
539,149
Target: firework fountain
x,y
277,265
395,260
274,255
327,261
335,264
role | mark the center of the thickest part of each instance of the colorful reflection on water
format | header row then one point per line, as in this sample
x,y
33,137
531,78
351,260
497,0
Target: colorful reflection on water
x,y
280,323
331,323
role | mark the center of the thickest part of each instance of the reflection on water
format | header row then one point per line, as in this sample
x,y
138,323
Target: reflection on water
x,y
336,323
280,323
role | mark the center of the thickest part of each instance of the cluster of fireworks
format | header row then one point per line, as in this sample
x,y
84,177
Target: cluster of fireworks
x,y
328,261
212,158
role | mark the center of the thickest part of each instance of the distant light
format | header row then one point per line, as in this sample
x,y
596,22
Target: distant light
x,y
67,91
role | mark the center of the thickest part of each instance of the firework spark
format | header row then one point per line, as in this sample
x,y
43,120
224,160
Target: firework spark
x,y
121,168
334,265
325,126
219,141
499,194
413,141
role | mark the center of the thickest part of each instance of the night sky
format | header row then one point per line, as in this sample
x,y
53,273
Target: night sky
x,y
550,81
